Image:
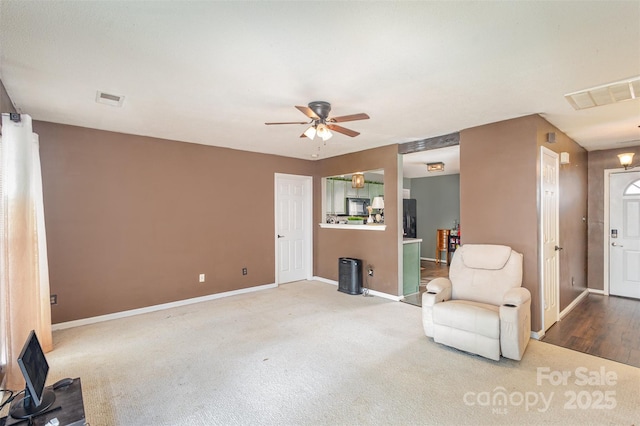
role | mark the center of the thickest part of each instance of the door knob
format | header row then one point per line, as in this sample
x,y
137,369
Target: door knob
x,y
616,244
280,236
557,248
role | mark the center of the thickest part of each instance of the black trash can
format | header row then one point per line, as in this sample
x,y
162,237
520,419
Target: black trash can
x,y
350,275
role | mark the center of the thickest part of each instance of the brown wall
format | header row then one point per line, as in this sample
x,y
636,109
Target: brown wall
x,y
131,221
573,212
499,199
498,193
376,248
599,161
6,105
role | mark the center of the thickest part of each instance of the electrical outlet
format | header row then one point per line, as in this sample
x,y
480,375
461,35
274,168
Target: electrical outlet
x,y
201,278
370,271
53,299
244,271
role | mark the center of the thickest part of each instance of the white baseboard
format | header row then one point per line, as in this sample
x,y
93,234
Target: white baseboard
x,y
573,304
595,291
385,295
154,308
325,280
371,292
540,334
537,334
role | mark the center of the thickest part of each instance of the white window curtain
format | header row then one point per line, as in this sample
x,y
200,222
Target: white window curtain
x,y
24,271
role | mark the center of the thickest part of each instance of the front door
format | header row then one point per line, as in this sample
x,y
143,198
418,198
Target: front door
x,y
549,206
624,234
293,228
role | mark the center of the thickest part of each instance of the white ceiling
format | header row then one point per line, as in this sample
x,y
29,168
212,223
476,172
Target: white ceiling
x,y
214,72
415,164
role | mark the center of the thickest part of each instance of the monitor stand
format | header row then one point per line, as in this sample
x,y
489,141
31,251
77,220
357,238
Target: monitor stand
x,y
24,408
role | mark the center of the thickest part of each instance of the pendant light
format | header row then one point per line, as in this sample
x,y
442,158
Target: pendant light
x,y
357,180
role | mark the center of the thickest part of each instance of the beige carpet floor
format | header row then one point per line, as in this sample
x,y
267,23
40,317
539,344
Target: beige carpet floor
x,y
306,354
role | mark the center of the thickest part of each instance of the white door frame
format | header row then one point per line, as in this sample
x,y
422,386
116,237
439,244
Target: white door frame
x,y
399,207
607,224
541,269
308,182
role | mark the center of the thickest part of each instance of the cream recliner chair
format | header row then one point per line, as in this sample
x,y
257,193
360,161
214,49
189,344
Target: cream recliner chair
x,y
482,307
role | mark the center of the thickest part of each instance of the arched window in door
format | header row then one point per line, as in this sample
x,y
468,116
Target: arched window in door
x,y
633,188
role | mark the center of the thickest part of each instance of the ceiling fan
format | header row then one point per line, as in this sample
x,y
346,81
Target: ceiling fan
x,y
321,123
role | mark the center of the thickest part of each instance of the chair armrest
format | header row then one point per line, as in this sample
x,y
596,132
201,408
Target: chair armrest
x,y
438,284
515,322
516,296
438,290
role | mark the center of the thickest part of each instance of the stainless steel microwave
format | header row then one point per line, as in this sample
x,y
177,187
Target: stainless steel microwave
x,y
357,206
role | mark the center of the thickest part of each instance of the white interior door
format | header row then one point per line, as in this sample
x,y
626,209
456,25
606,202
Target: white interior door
x,y
624,234
293,228
550,273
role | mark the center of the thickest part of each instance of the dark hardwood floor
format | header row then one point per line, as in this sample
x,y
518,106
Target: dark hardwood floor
x,y
603,326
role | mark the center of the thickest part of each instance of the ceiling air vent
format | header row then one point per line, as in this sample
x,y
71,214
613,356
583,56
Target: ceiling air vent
x,y
619,91
109,99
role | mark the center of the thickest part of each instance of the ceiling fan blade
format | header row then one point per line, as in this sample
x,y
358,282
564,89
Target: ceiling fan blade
x,y
308,112
289,122
352,117
342,130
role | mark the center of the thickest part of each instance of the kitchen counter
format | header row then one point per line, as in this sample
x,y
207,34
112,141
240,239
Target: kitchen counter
x,y
411,240
371,227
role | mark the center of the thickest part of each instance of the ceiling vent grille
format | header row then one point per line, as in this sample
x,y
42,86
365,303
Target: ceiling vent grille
x,y
619,91
109,99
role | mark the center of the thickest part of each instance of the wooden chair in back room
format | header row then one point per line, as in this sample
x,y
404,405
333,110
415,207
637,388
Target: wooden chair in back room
x,y
442,245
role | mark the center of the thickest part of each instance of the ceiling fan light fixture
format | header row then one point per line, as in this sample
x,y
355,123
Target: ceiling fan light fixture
x,y
310,132
324,132
318,112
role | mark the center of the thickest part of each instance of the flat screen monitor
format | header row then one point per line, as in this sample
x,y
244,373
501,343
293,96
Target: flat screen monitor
x,y
34,368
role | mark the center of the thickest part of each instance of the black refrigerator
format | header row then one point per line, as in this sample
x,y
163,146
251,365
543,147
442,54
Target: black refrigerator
x,y
409,218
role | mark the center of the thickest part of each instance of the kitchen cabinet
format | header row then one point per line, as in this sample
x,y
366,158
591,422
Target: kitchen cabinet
x,y
410,266
357,192
351,191
376,190
337,190
328,197
364,192
339,195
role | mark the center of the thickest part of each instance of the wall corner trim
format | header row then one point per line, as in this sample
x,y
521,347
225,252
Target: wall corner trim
x,y
573,304
385,295
537,334
154,308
